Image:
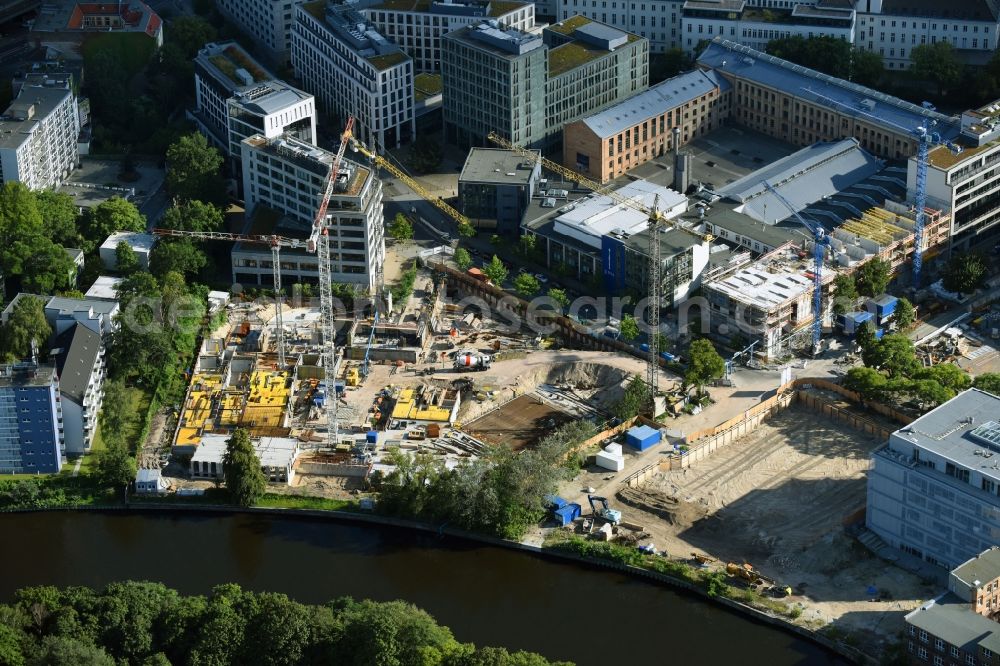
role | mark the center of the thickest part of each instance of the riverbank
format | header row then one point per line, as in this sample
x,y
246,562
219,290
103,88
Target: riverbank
x,y
665,572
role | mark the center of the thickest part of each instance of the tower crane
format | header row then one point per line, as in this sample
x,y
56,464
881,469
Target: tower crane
x,y
318,243
653,361
593,185
926,139
820,241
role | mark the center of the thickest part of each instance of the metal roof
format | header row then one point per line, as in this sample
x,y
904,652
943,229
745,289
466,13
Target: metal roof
x,y
889,112
80,349
802,178
653,102
951,620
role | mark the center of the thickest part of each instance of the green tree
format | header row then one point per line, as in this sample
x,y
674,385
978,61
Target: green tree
x,y
893,354
126,260
869,383
107,217
192,215
865,335
938,63
11,640
845,293
634,399
661,342
526,284
194,170
867,68
20,227
930,393
528,245
241,467
48,269
670,63
964,273
61,650
26,323
59,217
704,364
989,382
873,277
559,296
115,465
824,53
463,259
466,230
115,415
400,228
177,255
905,314
629,328
496,271
947,375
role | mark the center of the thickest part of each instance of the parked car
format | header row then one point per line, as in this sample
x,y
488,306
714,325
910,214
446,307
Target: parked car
x,y
541,278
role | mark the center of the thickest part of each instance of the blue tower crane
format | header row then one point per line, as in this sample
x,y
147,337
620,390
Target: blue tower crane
x,y
925,139
820,241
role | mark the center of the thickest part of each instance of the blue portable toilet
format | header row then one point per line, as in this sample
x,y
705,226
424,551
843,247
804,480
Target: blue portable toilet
x,y
567,514
642,437
372,437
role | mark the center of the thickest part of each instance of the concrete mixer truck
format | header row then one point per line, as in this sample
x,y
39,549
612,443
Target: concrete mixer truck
x,y
472,360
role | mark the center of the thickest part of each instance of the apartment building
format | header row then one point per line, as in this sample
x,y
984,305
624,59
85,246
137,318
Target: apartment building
x,y
236,97
38,137
609,143
947,632
803,106
31,419
495,187
933,488
977,583
269,22
63,312
659,21
352,69
417,26
893,28
282,182
755,26
527,86
965,177
79,354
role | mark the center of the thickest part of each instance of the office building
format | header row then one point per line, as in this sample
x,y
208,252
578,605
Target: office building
x,y
933,488
658,21
417,26
527,86
38,137
495,188
803,106
282,183
352,69
79,354
753,25
268,22
609,143
964,177
31,419
236,97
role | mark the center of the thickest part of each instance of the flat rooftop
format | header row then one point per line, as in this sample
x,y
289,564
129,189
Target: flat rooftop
x,y
496,166
233,65
763,288
138,241
353,175
839,95
982,568
485,8
272,451
105,287
498,39
28,110
26,374
951,620
739,224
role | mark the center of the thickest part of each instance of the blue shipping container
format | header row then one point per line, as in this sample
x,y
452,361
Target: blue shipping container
x,y
852,321
555,502
371,437
642,437
882,307
567,514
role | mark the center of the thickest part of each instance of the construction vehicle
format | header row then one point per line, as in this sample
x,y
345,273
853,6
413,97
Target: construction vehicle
x,y
747,573
472,360
605,513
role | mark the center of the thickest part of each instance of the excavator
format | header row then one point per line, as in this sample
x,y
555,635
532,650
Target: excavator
x,y
612,516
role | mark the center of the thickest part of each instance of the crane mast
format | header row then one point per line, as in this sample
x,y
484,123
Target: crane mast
x,y
653,362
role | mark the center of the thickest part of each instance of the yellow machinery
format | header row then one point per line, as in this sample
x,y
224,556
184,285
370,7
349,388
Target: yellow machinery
x,y
353,377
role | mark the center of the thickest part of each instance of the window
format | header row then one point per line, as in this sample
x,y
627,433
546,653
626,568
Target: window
x,y
939,645
954,652
938,661
922,653
923,636
970,659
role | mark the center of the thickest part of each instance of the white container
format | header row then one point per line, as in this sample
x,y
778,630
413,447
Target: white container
x,y
614,449
610,462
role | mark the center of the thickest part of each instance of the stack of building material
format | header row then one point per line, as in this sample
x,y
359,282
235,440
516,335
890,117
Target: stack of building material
x,y
611,458
642,437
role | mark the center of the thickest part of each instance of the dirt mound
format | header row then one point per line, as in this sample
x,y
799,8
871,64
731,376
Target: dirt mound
x,y
674,511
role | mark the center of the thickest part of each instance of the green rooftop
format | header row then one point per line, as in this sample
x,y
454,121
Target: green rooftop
x,y
317,9
569,25
501,7
570,56
388,60
233,58
426,85
404,5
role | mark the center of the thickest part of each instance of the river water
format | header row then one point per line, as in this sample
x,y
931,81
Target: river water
x,y
487,595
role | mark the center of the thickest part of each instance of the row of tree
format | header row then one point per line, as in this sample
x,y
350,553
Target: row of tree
x,y
501,493
149,624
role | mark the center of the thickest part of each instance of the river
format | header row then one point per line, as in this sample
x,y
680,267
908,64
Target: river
x,y
487,595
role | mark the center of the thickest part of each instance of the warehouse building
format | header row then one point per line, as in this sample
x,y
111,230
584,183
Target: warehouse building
x,y
609,143
495,188
417,26
527,86
933,488
803,106
282,183
354,70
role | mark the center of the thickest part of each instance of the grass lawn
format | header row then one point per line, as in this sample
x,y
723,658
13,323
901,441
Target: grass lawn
x,y
138,403
276,501
132,49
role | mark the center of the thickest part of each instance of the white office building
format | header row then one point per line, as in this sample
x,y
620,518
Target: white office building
x,y
933,488
418,27
657,20
236,97
283,179
352,69
38,137
267,21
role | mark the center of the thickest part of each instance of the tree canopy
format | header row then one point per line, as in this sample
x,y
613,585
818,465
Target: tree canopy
x,y
873,277
179,255
526,285
845,293
192,215
194,170
244,479
704,364
629,328
830,55
938,63
107,217
989,382
59,217
26,323
905,314
463,259
633,400
400,228
964,273
496,271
